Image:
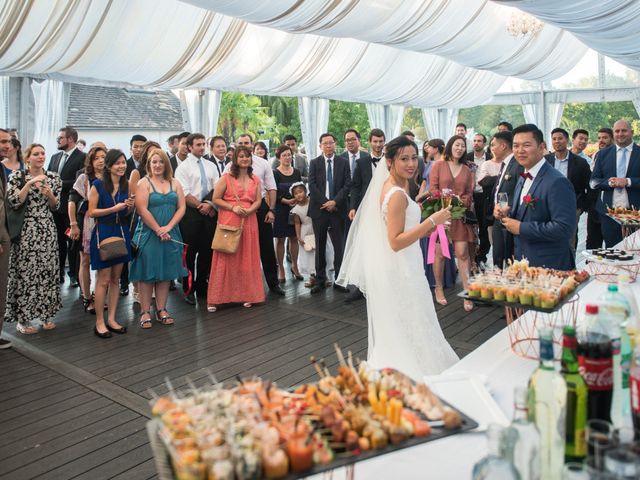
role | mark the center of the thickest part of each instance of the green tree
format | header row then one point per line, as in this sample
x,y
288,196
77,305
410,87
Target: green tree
x,y
593,116
413,121
285,112
346,115
485,118
241,113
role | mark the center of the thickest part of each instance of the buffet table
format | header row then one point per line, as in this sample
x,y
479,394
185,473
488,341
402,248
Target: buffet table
x,y
454,457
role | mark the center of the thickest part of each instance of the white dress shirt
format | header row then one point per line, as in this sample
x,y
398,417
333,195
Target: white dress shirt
x,y
478,161
188,174
561,164
262,169
333,174
620,196
528,181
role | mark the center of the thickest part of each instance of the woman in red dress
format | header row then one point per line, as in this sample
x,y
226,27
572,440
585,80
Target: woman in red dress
x,y
236,277
452,173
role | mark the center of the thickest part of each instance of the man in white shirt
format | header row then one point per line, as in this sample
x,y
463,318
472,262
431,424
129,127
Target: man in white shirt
x,y
266,215
616,177
198,177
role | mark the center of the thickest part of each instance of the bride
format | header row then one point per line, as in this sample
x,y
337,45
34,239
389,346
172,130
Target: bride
x,y
384,260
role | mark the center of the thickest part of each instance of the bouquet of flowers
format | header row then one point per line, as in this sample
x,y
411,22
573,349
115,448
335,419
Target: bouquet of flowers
x,y
442,199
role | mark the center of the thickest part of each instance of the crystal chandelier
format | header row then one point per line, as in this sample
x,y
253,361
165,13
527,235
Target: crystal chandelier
x,y
522,24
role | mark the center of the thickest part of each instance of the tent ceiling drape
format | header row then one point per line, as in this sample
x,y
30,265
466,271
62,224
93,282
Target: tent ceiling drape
x,y
183,46
608,26
470,32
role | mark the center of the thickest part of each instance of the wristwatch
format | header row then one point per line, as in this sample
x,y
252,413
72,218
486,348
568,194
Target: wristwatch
x,y
272,210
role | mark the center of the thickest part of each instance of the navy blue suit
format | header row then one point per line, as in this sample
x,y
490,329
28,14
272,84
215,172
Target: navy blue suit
x,y
605,168
546,227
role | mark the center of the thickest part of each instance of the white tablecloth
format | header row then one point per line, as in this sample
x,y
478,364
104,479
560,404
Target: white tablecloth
x,y
454,457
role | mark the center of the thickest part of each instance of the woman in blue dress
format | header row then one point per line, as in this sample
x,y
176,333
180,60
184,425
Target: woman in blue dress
x,y
432,151
109,204
161,205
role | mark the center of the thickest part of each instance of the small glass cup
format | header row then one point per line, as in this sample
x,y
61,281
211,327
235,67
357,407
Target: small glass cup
x,y
600,439
622,463
575,471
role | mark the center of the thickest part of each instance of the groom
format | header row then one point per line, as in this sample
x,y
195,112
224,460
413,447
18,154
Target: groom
x,y
543,219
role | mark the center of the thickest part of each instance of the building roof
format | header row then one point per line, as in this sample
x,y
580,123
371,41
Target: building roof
x,y
115,108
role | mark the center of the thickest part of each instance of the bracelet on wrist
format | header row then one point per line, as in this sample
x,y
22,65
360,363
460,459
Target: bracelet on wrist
x,y
432,222
73,224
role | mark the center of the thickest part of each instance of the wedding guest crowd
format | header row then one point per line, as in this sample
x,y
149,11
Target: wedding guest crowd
x,y
153,219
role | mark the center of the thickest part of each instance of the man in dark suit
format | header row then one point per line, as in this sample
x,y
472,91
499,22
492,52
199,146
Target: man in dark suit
x,y
616,177
502,240
136,143
543,217
66,163
475,159
360,182
329,182
353,152
594,229
573,167
182,153
218,153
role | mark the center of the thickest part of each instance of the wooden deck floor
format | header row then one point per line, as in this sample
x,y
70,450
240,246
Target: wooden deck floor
x,y
75,406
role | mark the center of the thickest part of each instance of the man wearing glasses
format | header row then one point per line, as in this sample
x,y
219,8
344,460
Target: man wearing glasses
x,y
329,182
66,163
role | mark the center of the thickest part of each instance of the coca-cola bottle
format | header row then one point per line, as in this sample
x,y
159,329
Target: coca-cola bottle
x,y
595,356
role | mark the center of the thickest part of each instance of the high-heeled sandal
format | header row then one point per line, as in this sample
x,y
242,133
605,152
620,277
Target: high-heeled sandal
x,y
26,328
165,319
441,299
47,325
297,276
145,323
88,305
467,305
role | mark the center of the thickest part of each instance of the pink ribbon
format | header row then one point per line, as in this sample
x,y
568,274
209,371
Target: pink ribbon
x,y
439,232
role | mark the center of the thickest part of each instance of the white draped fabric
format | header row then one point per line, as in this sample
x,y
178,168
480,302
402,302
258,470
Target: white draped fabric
x,y
51,102
555,107
470,32
531,108
636,103
608,26
388,118
4,102
181,46
202,108
440,122
314,121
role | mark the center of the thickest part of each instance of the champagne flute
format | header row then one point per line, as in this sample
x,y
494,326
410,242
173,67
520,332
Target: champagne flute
x,y
503,202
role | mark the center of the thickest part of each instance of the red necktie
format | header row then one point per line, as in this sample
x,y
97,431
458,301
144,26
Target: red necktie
x,y
526,175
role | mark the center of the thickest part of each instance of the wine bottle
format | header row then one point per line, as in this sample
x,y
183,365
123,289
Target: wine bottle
x,y
494,465
521,440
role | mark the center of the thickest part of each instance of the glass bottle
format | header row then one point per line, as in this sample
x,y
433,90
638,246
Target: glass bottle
x,y
547,408
577,394
494,465
521,440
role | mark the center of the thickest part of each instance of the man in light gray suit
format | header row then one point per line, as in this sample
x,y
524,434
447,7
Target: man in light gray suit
x,y
5,244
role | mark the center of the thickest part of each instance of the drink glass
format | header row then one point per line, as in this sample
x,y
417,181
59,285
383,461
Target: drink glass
x,y
600,439
503,202
575,471
622,463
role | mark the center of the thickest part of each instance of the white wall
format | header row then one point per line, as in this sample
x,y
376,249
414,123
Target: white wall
x,y
120,138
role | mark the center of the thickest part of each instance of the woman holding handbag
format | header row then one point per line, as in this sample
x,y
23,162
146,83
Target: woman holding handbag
x,y
33,292
81,223
109,204
236,277
161,205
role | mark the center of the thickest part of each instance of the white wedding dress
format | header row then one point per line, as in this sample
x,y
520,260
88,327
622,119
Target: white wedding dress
x,y
404,332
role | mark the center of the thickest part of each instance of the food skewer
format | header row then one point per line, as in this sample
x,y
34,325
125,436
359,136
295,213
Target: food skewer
x,y
340,356
314,362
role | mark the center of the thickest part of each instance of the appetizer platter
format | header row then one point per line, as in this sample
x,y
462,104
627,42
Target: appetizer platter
x,y
522,286
251,429
625,216
612,256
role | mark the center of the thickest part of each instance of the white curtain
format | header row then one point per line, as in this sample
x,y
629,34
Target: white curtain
x,y
388,118
608,26
636,104
440,122
202,109
470,32
51,99
531,108
555,107
4,103
190,47
314,121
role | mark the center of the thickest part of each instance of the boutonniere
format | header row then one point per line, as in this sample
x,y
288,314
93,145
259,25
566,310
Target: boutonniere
x,y
529,201
507,176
